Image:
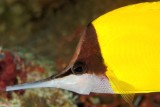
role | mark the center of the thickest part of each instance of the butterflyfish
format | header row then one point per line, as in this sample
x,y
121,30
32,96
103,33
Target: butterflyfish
x,y
118,53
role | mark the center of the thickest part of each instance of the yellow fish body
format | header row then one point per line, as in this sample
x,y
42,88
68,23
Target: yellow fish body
x,y
129,39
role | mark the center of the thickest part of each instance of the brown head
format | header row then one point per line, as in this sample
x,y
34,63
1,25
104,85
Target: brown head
x,y
84,74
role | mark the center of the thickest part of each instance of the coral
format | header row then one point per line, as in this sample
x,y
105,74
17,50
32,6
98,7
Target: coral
x,y
20,67
10,70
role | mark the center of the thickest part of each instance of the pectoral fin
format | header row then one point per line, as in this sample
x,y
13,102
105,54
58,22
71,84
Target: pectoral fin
x,y
120,87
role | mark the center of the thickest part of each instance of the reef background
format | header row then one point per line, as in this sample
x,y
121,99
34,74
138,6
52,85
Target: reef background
x,y
51,28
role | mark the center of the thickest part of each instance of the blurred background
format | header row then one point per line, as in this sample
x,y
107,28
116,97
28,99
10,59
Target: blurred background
x,y
42,36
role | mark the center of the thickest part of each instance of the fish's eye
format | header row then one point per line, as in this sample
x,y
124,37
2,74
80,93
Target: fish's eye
x,y
79,68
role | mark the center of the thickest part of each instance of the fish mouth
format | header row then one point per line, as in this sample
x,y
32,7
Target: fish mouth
x,y
36,84
47,82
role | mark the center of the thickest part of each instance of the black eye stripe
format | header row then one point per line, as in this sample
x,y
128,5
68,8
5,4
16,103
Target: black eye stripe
x,y
79,68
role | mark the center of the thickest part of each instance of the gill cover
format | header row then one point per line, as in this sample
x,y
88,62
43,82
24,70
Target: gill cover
x,y
129,38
